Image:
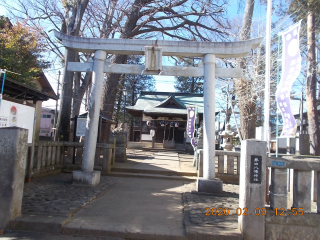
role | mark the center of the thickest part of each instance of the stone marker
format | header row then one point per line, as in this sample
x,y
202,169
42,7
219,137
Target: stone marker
x,y
252,189
13,157
304,144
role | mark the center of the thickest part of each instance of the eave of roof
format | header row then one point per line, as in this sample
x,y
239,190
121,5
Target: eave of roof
x,y
13,89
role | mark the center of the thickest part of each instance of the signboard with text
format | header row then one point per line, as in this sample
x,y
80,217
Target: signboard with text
x,y
81,126
255,170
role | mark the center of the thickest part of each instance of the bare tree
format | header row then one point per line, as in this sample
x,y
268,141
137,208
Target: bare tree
x,y
181,19
202,20
65,16
243,87
311,87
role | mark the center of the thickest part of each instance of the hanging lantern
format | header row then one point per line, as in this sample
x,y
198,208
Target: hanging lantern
x,y
176,124
162,123
148,123
171,124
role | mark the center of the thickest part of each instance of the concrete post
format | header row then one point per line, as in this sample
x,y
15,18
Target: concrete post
x,y
87,175
38,109
252,188
278,194
208,183
13,157
292,145
302,190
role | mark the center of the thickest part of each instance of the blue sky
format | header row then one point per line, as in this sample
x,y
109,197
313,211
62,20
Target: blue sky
x,y
166,83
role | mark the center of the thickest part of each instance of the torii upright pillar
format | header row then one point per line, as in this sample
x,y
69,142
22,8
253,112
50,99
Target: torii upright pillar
x,y
87,174
208,183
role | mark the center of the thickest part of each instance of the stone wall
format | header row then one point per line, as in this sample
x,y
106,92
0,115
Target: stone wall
x,y
289,227
13,155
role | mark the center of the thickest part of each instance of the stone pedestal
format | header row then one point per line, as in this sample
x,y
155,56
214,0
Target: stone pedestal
x,y
209,186
302,190
304,144
252,188
89,178
278,192
169,144
13,157
120,148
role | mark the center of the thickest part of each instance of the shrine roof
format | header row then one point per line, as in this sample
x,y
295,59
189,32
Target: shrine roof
x,y
167,103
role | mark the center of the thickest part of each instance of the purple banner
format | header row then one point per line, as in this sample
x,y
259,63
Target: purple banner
x,y
291,66
191,125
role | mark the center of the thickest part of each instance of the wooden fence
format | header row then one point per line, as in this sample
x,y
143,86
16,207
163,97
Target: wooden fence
x,y
52,157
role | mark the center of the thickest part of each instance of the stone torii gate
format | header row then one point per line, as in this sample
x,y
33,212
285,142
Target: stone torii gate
x,y
153,51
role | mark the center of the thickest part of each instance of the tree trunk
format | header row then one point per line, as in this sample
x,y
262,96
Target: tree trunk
x,y
242,86
63,122
109,95
70,27
311,86
78,95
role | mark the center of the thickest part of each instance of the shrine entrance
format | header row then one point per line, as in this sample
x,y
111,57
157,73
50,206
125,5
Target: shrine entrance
x,y
153,51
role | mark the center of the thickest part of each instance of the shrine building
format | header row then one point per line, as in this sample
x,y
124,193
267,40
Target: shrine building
x,y
166,113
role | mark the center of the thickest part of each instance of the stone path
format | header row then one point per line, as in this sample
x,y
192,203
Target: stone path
x,y
200,206
130,207
56,195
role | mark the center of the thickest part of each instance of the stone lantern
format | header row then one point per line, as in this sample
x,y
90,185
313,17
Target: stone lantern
x,y
227,136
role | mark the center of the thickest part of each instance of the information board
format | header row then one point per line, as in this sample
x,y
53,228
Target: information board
x,y
81,126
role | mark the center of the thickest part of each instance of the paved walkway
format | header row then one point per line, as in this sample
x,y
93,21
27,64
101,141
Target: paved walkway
x,y
157,161
127,208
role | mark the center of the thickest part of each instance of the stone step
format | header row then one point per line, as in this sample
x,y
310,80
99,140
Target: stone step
x,y
181,151
154,176
38,223
154,172
120,231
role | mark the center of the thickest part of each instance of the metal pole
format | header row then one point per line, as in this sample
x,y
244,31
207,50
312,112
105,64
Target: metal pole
x,y
277,118
56,112
301,114
3,79
267,78
124,108
74,138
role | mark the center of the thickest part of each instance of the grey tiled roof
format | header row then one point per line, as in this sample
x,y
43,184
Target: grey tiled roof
x,y
152,102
